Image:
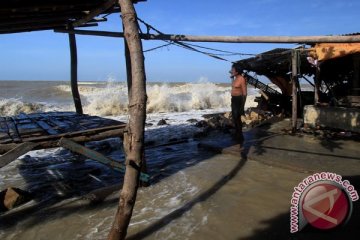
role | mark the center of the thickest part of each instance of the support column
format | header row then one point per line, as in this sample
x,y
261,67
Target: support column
x,y
356,79
134,134
317,85
74,83
129,83
294,79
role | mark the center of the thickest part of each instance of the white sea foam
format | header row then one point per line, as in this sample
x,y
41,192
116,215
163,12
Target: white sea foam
x,y
14,106
111,98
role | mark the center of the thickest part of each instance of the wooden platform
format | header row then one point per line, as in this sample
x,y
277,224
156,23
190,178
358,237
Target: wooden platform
x,y
46,129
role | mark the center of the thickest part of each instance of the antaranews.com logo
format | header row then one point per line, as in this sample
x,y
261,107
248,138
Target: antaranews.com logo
x,y
322,200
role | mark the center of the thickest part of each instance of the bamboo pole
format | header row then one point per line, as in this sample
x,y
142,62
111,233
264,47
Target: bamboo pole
x,y
134,136
224,39
74,65
294,78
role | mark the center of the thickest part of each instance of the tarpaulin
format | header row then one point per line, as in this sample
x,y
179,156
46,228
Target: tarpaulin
x,y
325,51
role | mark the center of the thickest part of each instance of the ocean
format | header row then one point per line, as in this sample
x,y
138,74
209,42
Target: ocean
x,y
110,98
189,197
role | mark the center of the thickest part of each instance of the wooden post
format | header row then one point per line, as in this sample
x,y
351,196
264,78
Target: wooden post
x,y
129,83
317,85
356,79
294,79
134,135
74,84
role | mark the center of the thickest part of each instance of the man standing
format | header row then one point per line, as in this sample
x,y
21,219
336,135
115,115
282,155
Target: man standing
x,y
238,99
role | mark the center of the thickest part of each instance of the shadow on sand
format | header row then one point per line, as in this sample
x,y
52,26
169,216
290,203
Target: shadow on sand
x,y
46,174
165,161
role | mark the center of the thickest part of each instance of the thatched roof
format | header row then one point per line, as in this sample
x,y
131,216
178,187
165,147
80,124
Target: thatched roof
x,y
33,15
337,68
276,65
276,62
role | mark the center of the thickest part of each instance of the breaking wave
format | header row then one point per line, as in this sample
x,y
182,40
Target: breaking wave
x,y
111,98
14,106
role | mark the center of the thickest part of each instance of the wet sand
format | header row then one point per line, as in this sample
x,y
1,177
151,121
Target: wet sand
x,y
223,196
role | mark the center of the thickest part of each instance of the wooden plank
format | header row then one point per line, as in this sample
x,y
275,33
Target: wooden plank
x,y
51,143
75,147
47,127
13,132
26,131
22,116
54,121
102,8
76,133
41,123
16,152
4,130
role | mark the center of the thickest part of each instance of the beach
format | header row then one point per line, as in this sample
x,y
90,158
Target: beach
x,y
194,193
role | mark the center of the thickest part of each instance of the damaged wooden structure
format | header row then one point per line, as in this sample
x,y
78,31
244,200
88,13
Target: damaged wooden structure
x,y
64,16
25,16
22,16
22,133
25,132
332,69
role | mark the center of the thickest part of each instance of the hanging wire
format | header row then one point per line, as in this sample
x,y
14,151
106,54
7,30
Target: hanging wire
x,y
158,47
181,44
193,47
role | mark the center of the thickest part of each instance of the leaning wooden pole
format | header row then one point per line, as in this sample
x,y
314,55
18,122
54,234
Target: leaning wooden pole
x,y
134,134
294,79
74,74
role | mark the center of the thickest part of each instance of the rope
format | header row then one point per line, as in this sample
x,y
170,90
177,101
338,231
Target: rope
x,y
152,49
181,44
193,47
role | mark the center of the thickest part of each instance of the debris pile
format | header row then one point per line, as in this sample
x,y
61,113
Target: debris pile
x,y
252,118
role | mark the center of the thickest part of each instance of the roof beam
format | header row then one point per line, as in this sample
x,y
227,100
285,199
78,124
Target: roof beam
x,y
95,12
226,39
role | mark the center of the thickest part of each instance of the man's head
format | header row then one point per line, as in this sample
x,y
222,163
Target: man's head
x,y
236,70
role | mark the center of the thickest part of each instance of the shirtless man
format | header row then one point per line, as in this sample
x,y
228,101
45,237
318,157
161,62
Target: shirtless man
x,y
238,98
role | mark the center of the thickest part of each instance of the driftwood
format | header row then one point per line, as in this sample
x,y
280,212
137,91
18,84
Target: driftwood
x,y
134,134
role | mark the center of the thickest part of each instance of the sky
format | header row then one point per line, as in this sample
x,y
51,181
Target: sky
x,y
45,55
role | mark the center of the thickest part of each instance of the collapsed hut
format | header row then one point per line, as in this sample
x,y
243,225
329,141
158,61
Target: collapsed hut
x,y
20,134
332,69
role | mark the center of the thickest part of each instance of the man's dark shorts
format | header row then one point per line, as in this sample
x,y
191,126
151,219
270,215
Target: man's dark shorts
x,y
237,106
